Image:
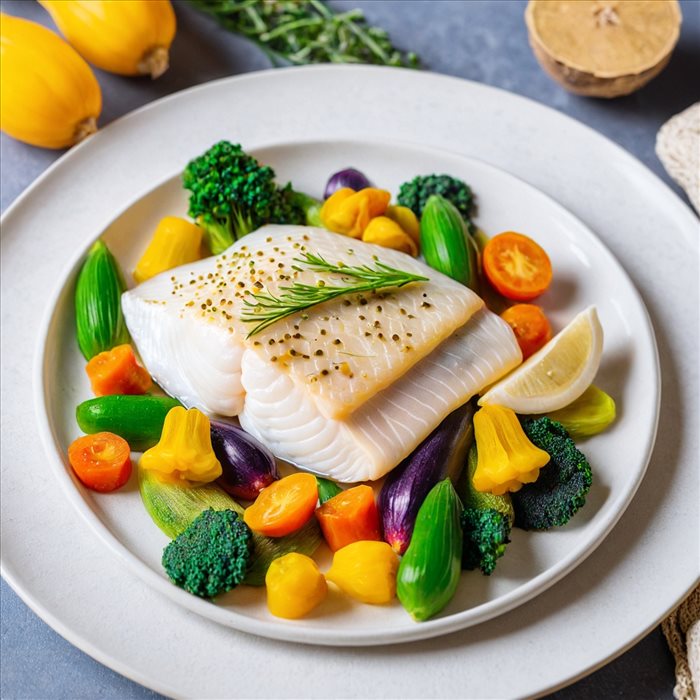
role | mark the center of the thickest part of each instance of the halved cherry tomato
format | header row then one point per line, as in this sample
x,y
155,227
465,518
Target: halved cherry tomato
x,y
283,506
116,371
101,461
349,517
530,325
516,266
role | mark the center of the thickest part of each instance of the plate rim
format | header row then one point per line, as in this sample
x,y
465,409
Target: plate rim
x,y
273,629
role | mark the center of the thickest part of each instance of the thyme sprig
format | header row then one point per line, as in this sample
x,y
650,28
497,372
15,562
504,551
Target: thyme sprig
x,y
264,309
307,31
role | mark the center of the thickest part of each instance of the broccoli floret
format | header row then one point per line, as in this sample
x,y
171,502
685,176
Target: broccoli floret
x,y
486,522
562,486
212,555
232,194
486,533
414,195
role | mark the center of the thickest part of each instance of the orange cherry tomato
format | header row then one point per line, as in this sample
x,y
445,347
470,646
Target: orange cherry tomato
x,y
116,371
349,517
516,266
101,461
283,506
530,325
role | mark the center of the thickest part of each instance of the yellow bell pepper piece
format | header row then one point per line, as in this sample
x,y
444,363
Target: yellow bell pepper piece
x,y
385,232
295,586
406,219
174,243
366,571
348,212
184,451
506,457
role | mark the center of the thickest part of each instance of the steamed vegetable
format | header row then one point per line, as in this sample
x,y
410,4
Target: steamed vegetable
x,y
294,585
415,194
429,572
326,489
138,419
101,461
486,523
349,517
49,96
588,415
173,505
348,177
366,571
381,230
561,488
184,450
116,371
516,266
212,555
530,325
232,194
349,212
442,454
446,244
506,458
98,312
175,242
247,465
406,219
129,37
284,506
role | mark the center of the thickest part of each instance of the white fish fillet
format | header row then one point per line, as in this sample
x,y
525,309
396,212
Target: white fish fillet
x,y
349,387
390,426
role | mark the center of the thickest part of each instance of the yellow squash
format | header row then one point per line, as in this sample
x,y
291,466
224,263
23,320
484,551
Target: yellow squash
x,y
49,97
129,37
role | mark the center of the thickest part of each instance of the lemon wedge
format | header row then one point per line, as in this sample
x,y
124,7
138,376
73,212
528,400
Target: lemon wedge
x,y
555,375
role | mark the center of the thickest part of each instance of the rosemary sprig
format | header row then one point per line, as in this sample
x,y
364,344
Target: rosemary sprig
x,y
266,309
307,31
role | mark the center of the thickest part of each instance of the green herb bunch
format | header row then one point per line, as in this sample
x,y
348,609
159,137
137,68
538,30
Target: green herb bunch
x,y
307,31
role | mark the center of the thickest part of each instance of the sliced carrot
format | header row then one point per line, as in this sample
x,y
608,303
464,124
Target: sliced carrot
x,y
530,325
116,371
349,517
283,506
516,266
102,461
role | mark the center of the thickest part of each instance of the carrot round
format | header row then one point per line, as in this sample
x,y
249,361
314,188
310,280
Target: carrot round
x,y
283,506
516,266
530,325
101,461
116,371
349,517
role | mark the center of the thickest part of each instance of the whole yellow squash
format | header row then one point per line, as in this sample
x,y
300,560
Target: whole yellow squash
x,y
49,97
129,37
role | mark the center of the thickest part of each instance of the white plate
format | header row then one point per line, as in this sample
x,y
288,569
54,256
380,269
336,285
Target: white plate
x,y
534,560
614,597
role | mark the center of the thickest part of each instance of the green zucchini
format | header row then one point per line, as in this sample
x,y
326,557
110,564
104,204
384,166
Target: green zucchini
x,y
138,419
429,572
173,506
446,244
327,489
99,321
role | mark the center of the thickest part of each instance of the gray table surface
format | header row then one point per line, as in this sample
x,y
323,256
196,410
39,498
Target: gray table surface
x,y
481,40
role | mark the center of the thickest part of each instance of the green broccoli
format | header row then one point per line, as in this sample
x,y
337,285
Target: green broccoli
x,y
232,194
486,523
212,555
414,195
562,486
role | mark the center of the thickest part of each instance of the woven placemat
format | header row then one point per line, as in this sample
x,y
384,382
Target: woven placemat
x,y
678,148
682,631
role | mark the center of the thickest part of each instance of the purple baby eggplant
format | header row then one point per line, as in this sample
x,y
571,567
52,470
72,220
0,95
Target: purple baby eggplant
x,y
349,177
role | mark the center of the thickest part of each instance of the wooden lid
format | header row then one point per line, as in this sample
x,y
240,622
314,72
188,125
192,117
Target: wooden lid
x,y
605,38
